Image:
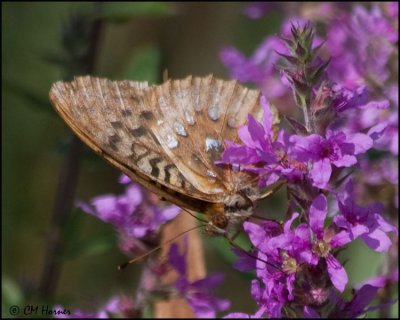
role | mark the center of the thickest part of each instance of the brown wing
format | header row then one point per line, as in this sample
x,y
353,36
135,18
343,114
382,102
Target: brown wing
x,y
196,116
165,137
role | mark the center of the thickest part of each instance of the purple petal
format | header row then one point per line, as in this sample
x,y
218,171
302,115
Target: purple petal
x,y
170,212
240,154
258,9
361,299
310,313
377,131
345,161
124,179
347,236
384,225
378,282
267,117
290,285
209,282
318,212
106,208
85,207
336,273
321,173
341,221
362,142
255,232
377,240
139,231
244,261
245,136
306,148
382,104
133,195
288,224
176,259
257,133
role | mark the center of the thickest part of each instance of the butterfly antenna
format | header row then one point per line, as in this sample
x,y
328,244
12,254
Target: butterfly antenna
x,y
124,265
196,217
235,245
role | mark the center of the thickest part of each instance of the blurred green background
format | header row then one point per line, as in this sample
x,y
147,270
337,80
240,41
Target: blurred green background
x,y
138,41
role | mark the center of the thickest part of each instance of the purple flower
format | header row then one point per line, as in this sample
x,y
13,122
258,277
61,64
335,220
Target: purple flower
x,y
259,68
366,223
310,313
261,147
345,99
273,288
360,45
136,214
325,240
257,10
357,306
197,293
336,149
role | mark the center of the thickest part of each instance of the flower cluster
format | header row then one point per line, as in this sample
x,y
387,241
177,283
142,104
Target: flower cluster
x,y
297,266
198,294
136,214
346,118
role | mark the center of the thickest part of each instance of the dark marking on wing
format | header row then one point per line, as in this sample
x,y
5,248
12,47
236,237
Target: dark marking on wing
x,y
126,112
147,115
116,124
113,141
167,173
155,171
138,132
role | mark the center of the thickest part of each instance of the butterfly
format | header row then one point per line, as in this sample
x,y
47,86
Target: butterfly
x,y
168,137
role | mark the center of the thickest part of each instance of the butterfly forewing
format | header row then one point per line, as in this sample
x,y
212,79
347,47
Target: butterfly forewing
x,y
165,137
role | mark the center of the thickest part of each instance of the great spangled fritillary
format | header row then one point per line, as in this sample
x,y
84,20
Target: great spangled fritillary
x,y
167,137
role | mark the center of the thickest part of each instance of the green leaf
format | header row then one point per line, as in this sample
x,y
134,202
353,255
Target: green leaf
x,y
120,12
145,65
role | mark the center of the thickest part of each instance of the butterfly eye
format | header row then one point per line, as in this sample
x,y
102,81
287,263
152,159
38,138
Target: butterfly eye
x,y
220,220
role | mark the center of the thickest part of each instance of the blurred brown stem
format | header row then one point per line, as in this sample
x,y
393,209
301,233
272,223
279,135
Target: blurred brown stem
x,y
178,307
67,182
